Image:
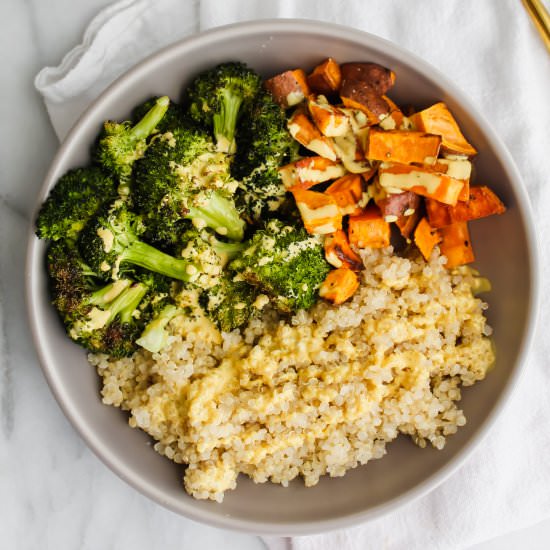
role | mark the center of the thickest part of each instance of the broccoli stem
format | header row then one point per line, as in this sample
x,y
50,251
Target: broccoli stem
x,y
108,293
124,305
221,215
148,257
150,121
130,300
154,336
228,251
225,122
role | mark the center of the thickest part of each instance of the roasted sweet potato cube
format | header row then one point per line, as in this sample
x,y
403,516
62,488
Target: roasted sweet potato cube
x,y
421,180
460,169
437,119
425,238
456,245
319,211
325,78
330,120
438,213
357,94
482,202
339,253
395,120
288,88
310,171
369,229
377,77
368,174
394,205
407,224
348,193
339,285
402,146
305,132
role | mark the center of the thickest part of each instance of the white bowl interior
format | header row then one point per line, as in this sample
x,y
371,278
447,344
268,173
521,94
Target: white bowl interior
x,y
504,248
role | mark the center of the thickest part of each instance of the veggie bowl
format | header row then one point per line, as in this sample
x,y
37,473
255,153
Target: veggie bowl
x,y
405,472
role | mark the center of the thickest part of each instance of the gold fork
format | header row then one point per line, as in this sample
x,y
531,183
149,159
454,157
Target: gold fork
x,y
540,17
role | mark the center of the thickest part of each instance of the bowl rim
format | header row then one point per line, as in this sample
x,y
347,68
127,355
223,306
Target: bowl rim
x,y
331,30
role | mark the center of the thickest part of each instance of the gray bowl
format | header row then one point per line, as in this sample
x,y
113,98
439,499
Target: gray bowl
x,y
505,248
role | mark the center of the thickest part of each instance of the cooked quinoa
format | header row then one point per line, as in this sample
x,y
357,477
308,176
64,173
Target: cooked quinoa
x,y
317,393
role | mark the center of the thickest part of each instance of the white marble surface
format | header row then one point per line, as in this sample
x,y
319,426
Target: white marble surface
x,y
55,493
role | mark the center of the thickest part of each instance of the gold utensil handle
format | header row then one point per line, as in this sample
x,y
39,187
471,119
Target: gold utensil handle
x,y
540,17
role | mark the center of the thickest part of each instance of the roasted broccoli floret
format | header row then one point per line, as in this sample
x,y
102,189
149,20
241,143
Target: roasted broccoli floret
x,y
227,303
172,117
260,194
230,303
218,96
102,318
263,138
120,144
264,144
286,263
202,248
113,324
111,244
75,198
182,177
70,278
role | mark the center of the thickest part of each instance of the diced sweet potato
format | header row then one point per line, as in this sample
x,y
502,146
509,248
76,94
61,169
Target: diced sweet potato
x,y
339,285
368,174
348,193
425,238
325,78
357,94
369,229
456,245
437,119
482,202
307,134
360,126
319,211
377,77
310,171
288,88
402,208
395,120
438,213
421,180
339,253
394,205
401,146
458,169
407,224
330,120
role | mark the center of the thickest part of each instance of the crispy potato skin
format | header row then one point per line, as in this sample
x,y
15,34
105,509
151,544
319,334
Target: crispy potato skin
x,y
288,88
396,204
376,76
358,94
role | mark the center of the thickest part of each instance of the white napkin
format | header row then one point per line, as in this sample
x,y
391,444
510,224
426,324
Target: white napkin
x,y
490,50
